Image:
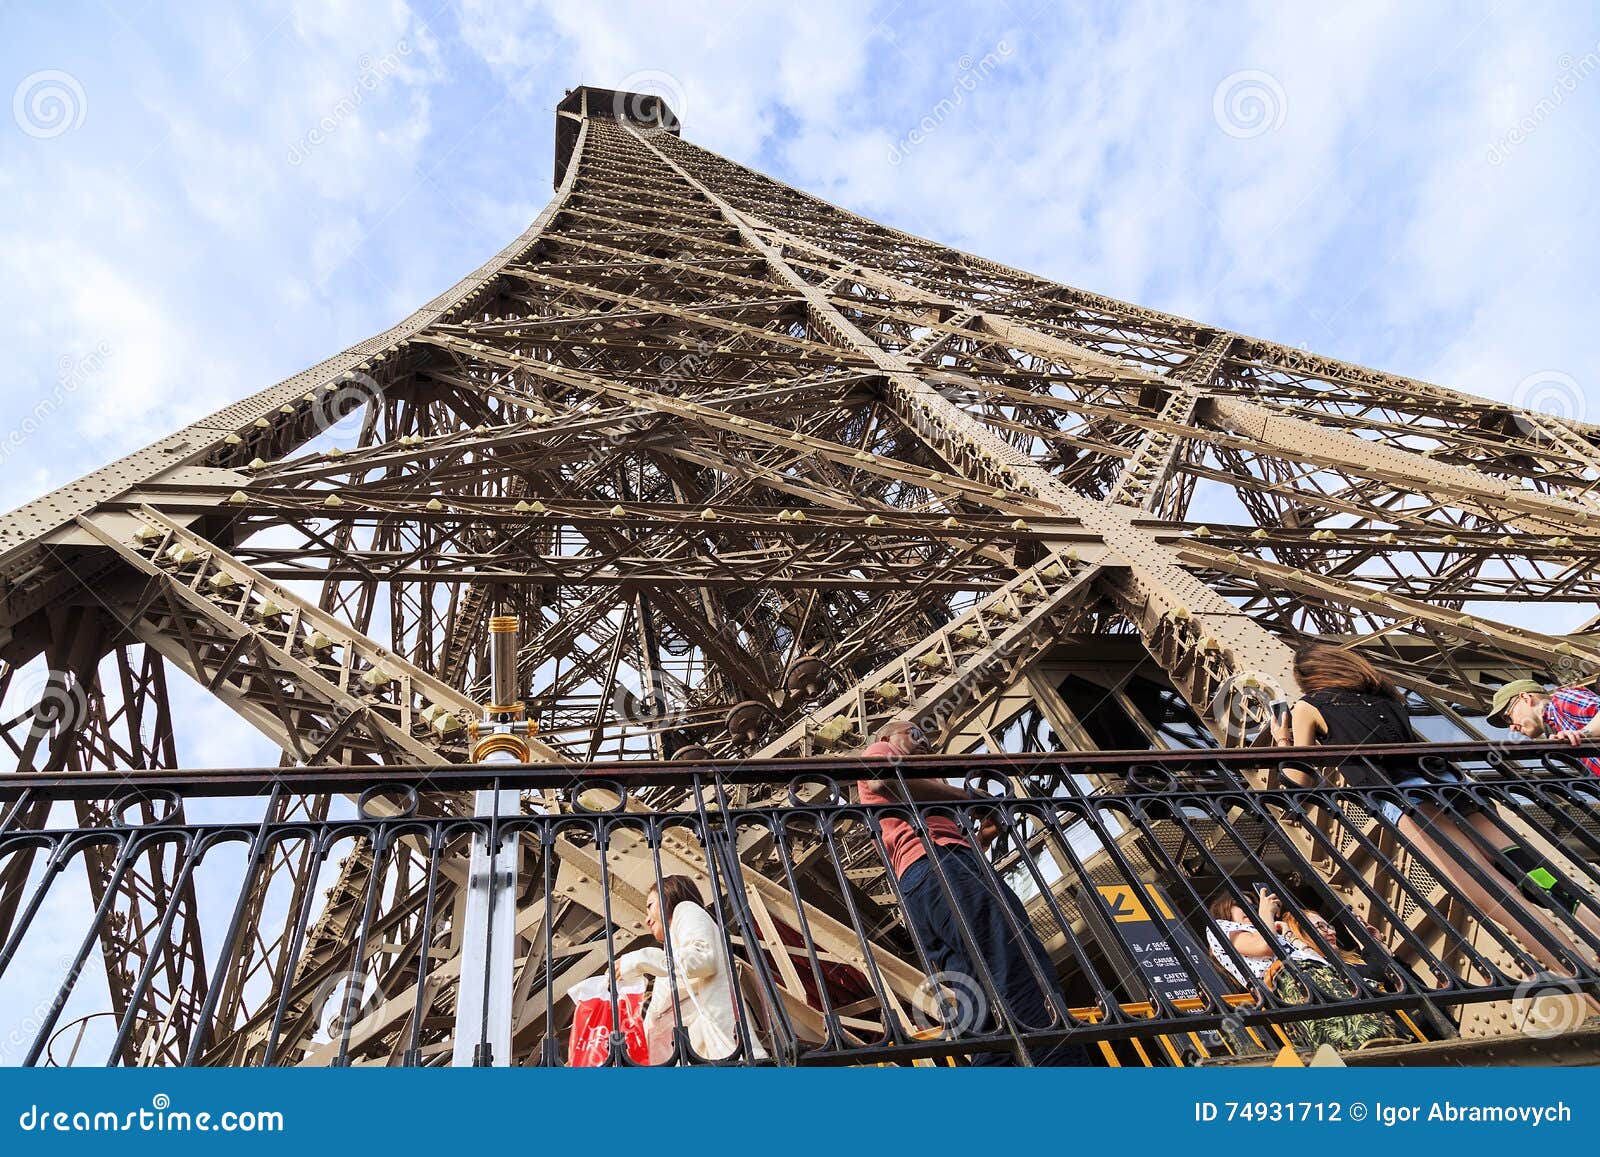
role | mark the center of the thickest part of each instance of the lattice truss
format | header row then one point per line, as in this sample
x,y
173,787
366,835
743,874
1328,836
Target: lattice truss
x,y
758,474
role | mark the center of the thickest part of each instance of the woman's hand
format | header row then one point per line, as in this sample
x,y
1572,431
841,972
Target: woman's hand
x,y
1286,931
1270,907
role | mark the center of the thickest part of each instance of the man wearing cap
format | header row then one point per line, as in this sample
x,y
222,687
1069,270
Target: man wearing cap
x,y
987,919
1570,714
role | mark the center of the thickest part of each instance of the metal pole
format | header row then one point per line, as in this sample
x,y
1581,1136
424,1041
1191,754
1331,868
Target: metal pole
x,y
488,935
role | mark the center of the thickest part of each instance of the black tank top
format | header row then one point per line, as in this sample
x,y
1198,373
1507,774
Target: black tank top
x,y
1365,720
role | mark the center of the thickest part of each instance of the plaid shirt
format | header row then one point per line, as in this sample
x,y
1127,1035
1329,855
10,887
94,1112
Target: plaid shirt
x,y
1572,709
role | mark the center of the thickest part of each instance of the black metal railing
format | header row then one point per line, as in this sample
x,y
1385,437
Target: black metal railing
x,y
1105,908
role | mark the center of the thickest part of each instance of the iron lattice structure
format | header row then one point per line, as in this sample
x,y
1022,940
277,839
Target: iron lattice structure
x,y
759,475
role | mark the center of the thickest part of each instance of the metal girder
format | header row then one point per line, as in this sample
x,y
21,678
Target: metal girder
x,y
1145,475
1192,395
151,917
1530,646
937,269
938,680
22,529
156,919
321,691
1308,441
1156,585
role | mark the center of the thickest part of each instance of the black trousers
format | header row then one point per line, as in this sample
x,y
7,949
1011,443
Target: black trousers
x,y
1005,954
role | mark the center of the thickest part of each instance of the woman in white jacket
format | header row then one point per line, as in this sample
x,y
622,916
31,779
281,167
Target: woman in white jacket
x,y
700,965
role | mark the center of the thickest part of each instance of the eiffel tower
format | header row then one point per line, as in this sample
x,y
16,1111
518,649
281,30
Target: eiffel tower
x,y
757,475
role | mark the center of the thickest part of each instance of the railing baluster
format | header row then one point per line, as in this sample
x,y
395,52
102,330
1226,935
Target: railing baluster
x,y
1187,821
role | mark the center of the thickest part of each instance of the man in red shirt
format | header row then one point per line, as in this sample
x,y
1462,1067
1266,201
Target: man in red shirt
x,y
1570,714
1003,953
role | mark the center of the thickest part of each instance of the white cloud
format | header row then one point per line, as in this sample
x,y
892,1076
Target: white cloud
x,y
174,222
728,68
129,393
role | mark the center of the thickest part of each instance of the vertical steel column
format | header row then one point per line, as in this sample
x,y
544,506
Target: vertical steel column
x,y
488,935
489,928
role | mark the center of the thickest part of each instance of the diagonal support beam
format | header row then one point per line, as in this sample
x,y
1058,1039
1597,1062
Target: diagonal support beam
x,y
1157,585
1144,477
1531,646
1311,442
248,638
941,678
1296,437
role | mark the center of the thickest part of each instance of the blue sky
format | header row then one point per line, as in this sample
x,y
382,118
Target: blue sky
x,y
198,200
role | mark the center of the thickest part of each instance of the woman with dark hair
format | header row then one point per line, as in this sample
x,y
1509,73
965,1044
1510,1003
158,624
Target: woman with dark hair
x,y
1347,701
704,979
1264,958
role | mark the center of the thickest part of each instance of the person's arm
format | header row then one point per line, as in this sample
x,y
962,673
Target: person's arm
x,y
1282,728
936,791
919,789
1250,943
1307,724
1304,727
926,791
641,962
1575,735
